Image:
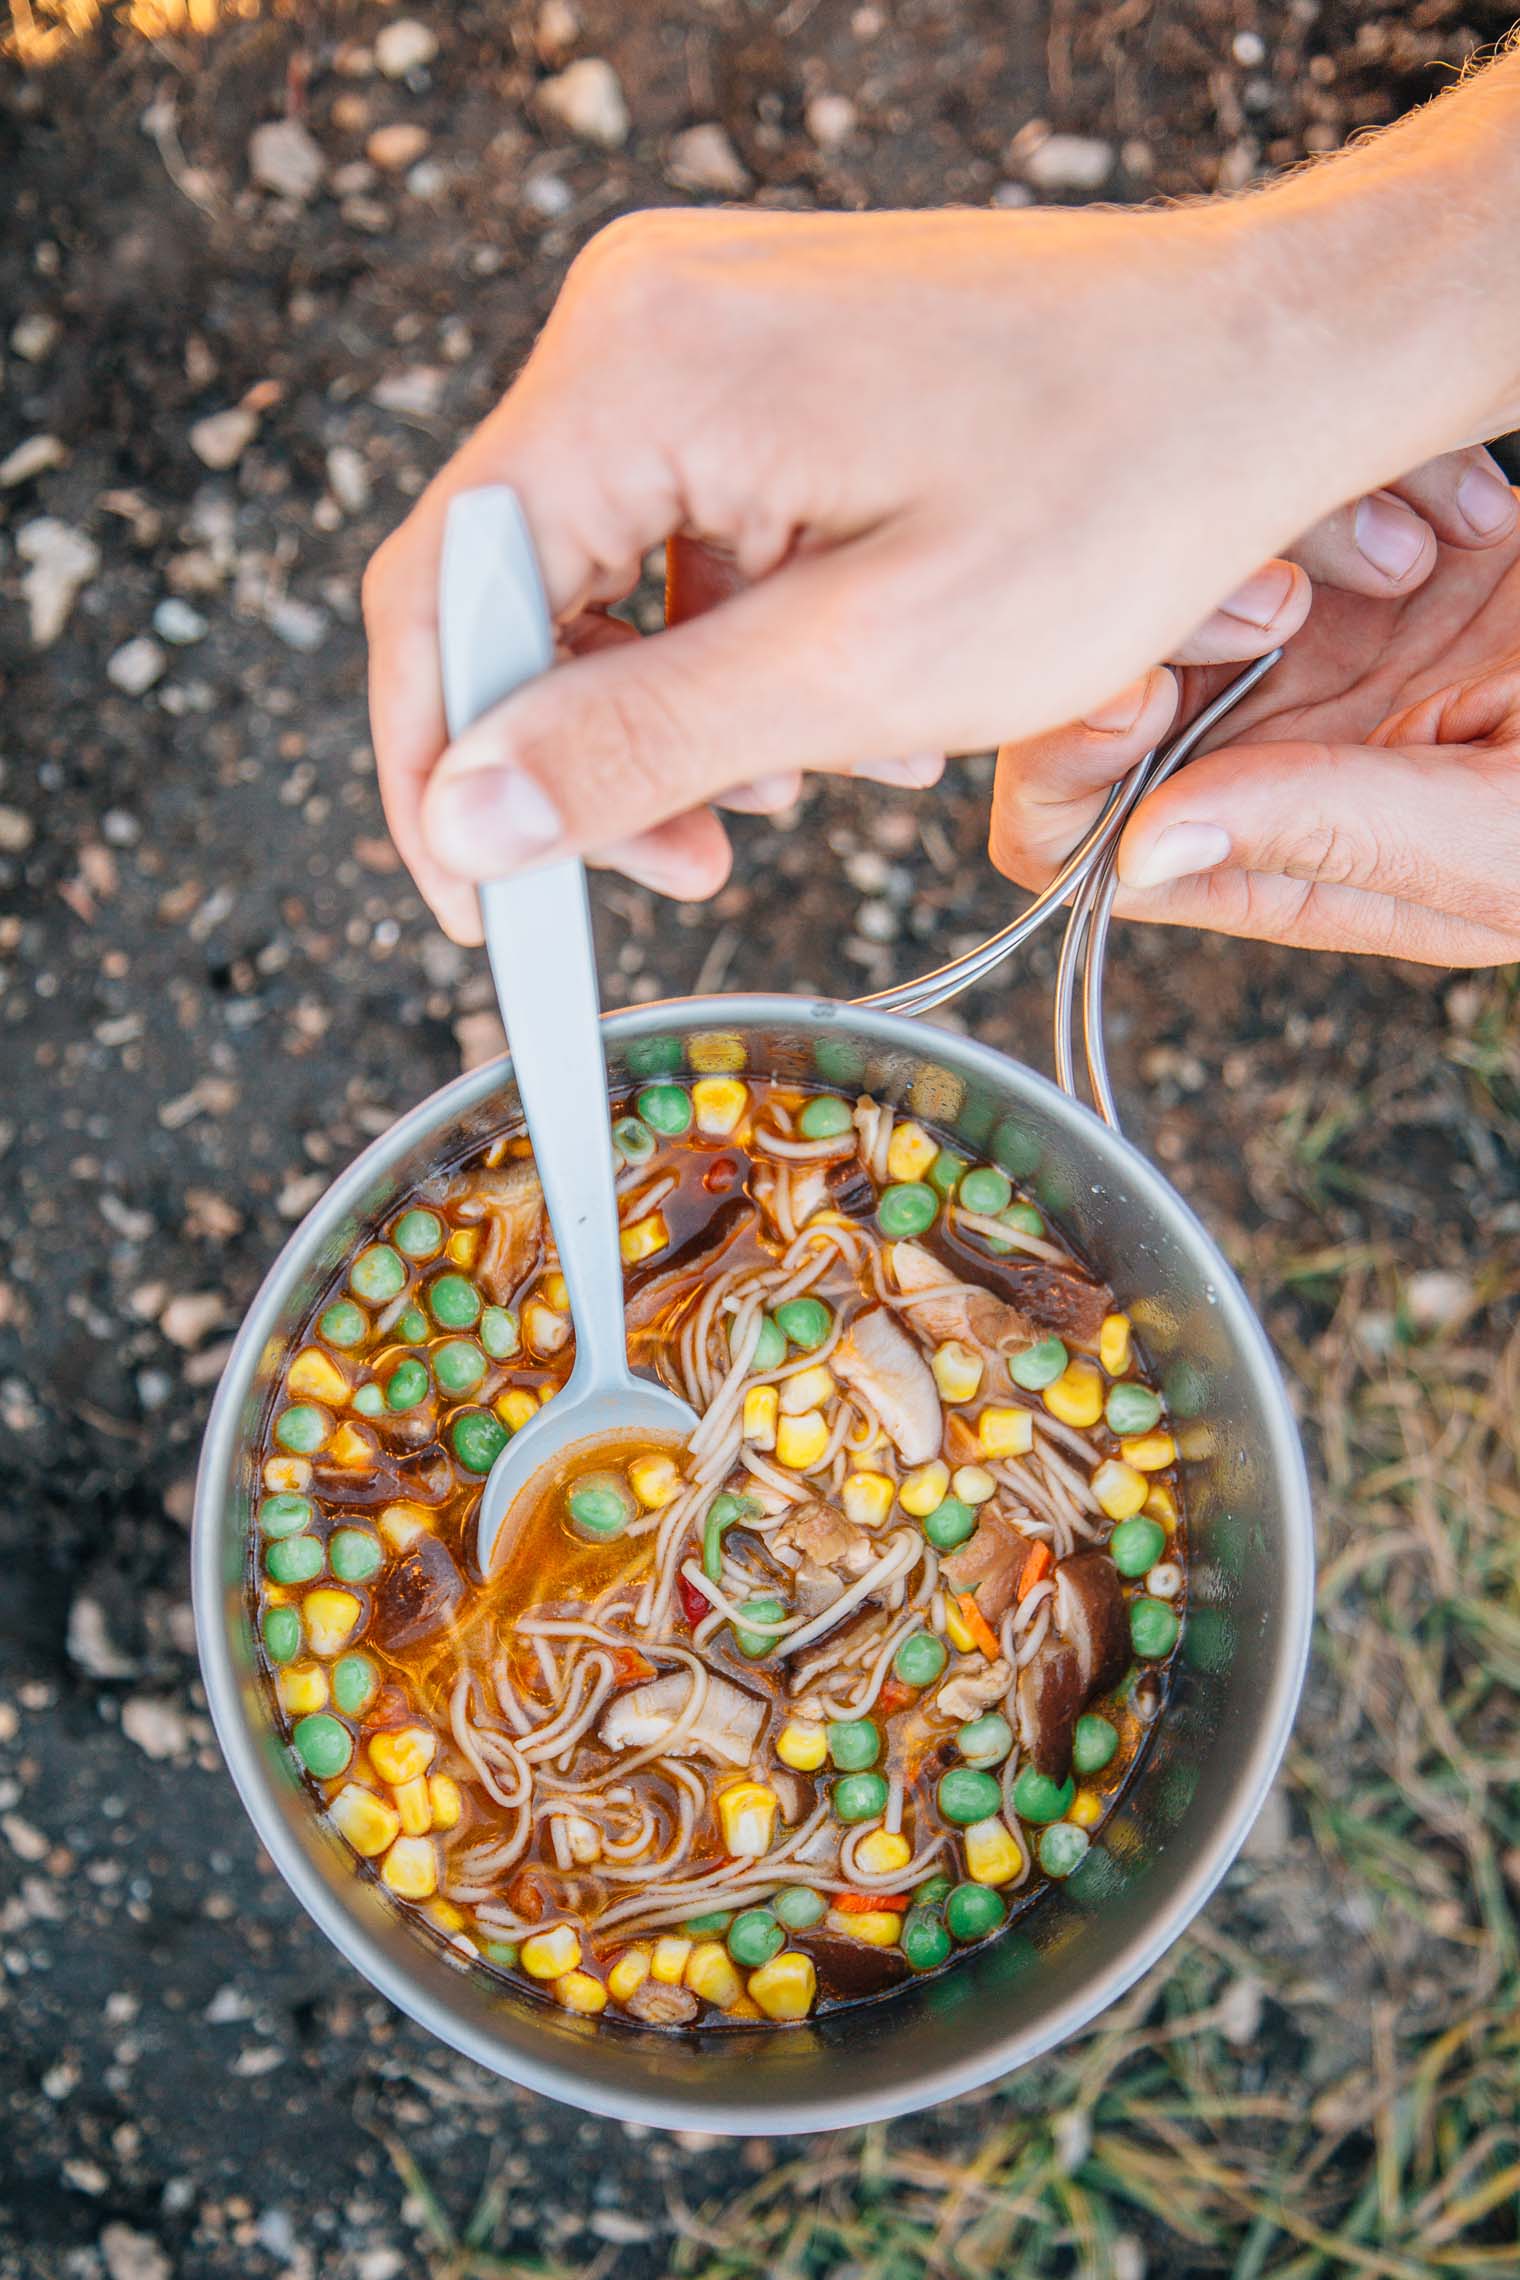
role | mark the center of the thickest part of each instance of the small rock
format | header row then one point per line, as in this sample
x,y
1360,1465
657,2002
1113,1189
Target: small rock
x,y
404,46
396,147
229,2006
17,831
548,195
176,621
348,478
133,2255
34,457
136,665
90,1644
300,625
587,98
35,337
830,120
1436,1298
418,390
1249,50
556,31
156,1725
190,1318
1068,162
283,157
703,158
60,560
1240,2012
353,180
26,1843
221,438
427,179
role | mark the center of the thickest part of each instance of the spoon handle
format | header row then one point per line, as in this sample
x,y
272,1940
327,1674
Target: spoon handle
x,y
494,634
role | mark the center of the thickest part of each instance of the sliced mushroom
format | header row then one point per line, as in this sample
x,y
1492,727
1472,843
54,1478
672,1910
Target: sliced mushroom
x,y
853,1968
510,1200
879,1359
970,1692
945,1307
657,1293
1089,1611
659,2005
989,1563
727,1727
1059,1299
419,1596
1050,1699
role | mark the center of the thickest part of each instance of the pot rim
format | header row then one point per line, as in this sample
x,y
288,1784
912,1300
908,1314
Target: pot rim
x,y
557,2077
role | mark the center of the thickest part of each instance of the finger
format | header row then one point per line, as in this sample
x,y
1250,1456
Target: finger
x,y
688,858
768,795
1049,788
1463,496
914,772
1376,546
1263,907
1269,608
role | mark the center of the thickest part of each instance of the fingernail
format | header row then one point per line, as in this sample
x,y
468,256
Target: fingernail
x,y
1264,596
914,772
762,797
492,821
1182,849
644,860
1389,536
1120,712
1487,503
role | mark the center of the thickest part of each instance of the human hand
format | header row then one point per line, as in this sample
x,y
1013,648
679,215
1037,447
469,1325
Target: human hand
x,y
1365,797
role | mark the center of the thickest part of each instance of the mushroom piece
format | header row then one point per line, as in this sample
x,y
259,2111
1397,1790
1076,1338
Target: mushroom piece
x,y
853,1968
510,1200
1089,1611
826,1537
878,1359
945,1307
989,1563
970,1692
657,1293
727,1725
1059,1300
659,2005
419,1596
1050,1700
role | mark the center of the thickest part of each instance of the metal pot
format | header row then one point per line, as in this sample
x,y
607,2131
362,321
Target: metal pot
x,y
1198,1789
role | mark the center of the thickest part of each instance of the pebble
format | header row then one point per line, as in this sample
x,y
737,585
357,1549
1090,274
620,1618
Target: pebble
x,y
133,2255
190,1318
17,831
1436,1298
703,158
427,179
137,665
348,478
283,157
220,439
830,120
556,31
1240,2011
1249,49
156,1725
418,390
300,625
34,337
587,98
176,621
1069,162
90,1645
404,46
33,457
394,148
60,560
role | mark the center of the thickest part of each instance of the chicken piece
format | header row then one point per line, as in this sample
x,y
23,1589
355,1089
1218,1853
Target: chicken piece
x,y
804,1186
879,1360
989,1563
1049,1702
418,1597
659,2005
511,1202
825,1537
1059,1300
815,1589
1089,1611
956,1309
968,1693
727,1727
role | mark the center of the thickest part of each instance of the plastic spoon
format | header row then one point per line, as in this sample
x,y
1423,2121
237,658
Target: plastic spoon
x,y
495,633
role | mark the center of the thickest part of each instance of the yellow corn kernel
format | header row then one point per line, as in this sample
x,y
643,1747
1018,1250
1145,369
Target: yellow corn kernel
x,y
655,1481
747,1816
462,1246
801,1441
364,1819
878,1927
955,1629
351,1446
1077,1395
1161,1505
401,1755
446,1916
445,1800
710,1974
402,1524
992,1854
516,1406
288,1475
668,1962
302,1688
973,1484
629,1973
578,1991
415,1806
867,1498
785,1987
925,1488
315,1376
802,1744
957,1371
745,2009
1149,1452
1196,1440
1120,1490
718,1103
545,1330
410,1868
551,1953
760,1408
883,1853
1085,1809
1115,1345
555,1292
910,1152
803,1390
330,1617
1002,1432
644,1238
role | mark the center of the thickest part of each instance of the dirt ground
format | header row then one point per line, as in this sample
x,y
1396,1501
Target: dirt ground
x,y
216,985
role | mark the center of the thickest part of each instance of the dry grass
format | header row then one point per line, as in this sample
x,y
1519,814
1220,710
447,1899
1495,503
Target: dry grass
x,y
41,31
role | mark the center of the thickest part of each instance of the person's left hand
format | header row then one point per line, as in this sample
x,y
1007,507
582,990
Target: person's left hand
x,y
1366,797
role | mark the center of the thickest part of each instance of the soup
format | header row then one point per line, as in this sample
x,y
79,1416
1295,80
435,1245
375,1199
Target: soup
x,y
769,1723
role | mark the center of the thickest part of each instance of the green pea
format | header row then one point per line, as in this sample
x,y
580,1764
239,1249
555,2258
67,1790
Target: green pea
x,y
986,1192
1062,1848
946,1172
949,1524
924,1940
459,1365
600,1507
854,1744
354,1554
409,1383
725,1511
478,1439
931,1892
1037,1798
654,1056
708,1927
283,1515
907,1209
419,1233
920,1659
369,1401
799,1907
499,1333
754,1937
302,1429
1025,1217
666,1109
282,1634
1039,1365
1153,1627
838,1063
344,1324
633,1140
1016,1148
412,1327
859,1796
294,1559
825,1117
806,1321
355,1683
985,1740
770,1346
1136,1545
377,1274
972,1911
757,1643
1131,1408
965,1795
503,1953
455,1302
323,1744
1093,1744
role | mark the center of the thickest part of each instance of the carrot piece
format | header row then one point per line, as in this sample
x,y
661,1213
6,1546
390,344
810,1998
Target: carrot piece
x,y
629,1666
979,1627
1037,1565
866,1903
895,1696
